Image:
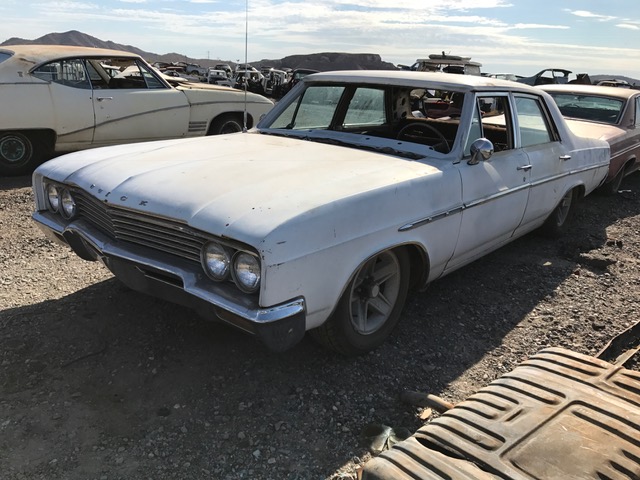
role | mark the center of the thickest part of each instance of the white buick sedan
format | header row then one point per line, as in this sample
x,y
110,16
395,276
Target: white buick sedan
x,y
355,188
60,99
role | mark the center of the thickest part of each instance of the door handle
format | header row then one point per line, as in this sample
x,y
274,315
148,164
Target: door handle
x,y
565,157
102,99
526,168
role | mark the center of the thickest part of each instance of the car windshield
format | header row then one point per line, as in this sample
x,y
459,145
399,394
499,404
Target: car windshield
x,y
589,107
412,115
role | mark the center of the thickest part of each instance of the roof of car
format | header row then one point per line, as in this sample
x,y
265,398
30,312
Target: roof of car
x,y
36,54
617,92
412,79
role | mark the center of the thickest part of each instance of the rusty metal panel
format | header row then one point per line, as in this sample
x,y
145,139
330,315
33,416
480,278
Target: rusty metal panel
x,y
559,414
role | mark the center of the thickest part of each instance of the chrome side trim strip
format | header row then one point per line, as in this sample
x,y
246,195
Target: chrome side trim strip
x,y
482,201
432,218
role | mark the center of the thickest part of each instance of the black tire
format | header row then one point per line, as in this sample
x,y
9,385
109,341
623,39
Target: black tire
x,y
557,222
370,307
612,187
226,124
19,154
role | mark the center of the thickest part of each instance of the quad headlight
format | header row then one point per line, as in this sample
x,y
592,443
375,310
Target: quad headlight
x,y
67,204
53,197
246,272
221,261
216,261
60,200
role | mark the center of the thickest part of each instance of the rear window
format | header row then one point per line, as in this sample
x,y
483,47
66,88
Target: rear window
x,y
4,56
589,107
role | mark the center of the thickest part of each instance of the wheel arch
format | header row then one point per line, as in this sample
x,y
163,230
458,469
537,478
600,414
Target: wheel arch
x,y
41,143
418,265
236,115
46,137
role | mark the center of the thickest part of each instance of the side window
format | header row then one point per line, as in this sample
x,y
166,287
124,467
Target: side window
x,y
70,73
491,120
128,73
532,121
637,111
96,79
366,108
150,79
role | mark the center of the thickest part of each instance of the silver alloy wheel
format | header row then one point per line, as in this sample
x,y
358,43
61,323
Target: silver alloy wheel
x,y
374,293
564,207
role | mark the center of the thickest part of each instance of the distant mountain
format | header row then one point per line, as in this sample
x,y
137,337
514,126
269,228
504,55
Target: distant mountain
x,y
77,39
316,61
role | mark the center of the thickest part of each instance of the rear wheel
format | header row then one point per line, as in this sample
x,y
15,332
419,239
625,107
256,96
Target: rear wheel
x,y
226,124
19,154
370,307
557,222
613,186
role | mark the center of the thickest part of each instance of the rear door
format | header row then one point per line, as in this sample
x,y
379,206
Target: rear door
x,y
71,114
548,158
495,191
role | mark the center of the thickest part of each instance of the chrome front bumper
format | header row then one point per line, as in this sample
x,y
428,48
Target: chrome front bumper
x,y
162,275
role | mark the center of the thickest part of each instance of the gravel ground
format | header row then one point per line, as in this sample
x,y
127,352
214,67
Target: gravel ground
x,y
99,382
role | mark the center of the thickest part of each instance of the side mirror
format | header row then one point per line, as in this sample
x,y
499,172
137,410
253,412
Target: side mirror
x,y
481,149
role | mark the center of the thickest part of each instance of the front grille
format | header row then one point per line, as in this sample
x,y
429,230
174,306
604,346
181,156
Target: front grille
x,y
140,228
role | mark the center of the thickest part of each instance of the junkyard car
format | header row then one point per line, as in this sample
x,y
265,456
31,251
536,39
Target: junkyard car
x,y
555,76
609,113
321,219
60,99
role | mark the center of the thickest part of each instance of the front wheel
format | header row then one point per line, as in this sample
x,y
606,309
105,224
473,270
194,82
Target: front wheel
x,y
557,222
18,154
226,124
370,307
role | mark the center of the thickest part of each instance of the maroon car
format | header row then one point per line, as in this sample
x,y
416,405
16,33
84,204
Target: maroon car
x,y
608,113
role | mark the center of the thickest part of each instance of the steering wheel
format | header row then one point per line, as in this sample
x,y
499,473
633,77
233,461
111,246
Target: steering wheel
x,y
420,132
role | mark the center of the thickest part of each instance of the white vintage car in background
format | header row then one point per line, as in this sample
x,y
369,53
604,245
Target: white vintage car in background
x,y
354,188
60,99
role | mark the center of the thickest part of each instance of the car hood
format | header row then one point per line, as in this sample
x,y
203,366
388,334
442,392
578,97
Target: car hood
x,y
199,93
595,130
248,186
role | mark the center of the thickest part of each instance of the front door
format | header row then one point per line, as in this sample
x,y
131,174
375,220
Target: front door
x,y
134,105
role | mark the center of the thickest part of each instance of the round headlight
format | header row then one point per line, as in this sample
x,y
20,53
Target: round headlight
x,y
53,198
67,204
246,272
216,261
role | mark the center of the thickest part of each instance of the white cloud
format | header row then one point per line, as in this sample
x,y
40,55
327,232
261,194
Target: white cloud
x,y
526,26
628,26
587,14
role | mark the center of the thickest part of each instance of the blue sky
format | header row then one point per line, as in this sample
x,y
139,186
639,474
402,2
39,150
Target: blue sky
x,y
518,36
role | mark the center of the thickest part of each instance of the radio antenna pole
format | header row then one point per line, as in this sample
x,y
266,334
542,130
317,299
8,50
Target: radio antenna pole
x,y
246,71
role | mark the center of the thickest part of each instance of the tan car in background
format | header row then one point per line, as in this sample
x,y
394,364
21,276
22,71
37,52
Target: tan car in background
x,y
60,99
608,113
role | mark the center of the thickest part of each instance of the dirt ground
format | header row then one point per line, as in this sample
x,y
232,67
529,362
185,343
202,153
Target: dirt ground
x,y
100,382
